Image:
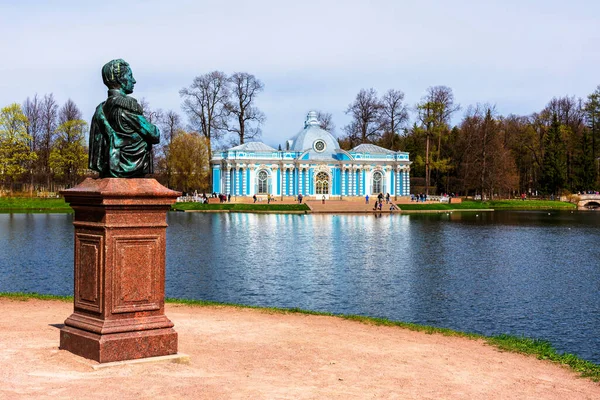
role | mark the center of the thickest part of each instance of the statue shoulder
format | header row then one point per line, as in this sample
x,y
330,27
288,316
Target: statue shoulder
x,y
126,102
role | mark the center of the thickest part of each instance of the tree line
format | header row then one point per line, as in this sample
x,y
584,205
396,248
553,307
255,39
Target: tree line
x,y
550,152
43,146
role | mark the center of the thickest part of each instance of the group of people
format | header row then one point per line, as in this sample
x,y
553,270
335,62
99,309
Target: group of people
x,y
419,197
270,198
223,197
379,202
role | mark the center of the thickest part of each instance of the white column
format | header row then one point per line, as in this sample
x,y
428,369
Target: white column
x,y
307,178
252,181
397,177
228,181
298,180
236,181
352,175
369,182
360,182
243,181
388,181
406,183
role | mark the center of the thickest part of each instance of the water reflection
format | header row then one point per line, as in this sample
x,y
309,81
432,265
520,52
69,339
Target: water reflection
x,y
523,273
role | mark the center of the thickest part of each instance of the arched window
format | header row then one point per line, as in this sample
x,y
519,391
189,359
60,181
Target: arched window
x,y
377,183
262,182
322,183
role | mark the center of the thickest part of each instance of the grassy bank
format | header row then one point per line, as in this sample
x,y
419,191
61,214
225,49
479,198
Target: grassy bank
x,y
541,349
31,204
26,204
249,207
494,205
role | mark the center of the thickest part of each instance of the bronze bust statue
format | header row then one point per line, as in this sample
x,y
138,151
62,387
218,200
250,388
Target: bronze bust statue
x,y
121,138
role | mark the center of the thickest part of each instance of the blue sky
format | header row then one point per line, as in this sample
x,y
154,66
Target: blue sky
x,y
310,55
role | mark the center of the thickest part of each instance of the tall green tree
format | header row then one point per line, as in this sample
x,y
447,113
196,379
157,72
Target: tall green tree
x,y
586,164
592,117
554,167
434,113
15,151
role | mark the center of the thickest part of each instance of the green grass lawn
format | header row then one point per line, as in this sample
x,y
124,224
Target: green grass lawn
x,y
29,204
240,207
34,204
494,204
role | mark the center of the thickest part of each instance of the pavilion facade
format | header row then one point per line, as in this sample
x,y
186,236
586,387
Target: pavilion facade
x,y
312,164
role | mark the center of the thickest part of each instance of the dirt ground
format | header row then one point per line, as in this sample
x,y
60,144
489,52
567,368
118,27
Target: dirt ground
x,y
252,354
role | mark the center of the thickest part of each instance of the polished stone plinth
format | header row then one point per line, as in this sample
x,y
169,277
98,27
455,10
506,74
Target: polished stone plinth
x,y
120,241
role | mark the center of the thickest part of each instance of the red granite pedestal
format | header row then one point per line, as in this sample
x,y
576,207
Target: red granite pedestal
x,y
120,241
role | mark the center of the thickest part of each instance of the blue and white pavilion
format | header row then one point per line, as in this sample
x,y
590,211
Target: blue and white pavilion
x,y
313,164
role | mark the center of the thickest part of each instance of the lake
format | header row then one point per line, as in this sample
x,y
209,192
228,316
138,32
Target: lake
x,y
535,274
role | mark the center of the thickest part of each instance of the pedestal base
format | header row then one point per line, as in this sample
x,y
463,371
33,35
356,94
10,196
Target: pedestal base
x,y
119,346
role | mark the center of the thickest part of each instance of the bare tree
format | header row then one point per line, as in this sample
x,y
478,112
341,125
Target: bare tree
x,y
49,114
32,110
365,112
487,166
171,126
69,112
244,89
326,121
152,116
68,157
204,103
394,115
352,136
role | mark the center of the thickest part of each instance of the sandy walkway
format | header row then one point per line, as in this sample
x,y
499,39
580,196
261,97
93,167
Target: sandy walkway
x,y
249,354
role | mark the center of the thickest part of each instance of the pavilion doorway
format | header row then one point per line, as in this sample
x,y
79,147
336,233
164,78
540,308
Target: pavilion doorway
x,y
322,185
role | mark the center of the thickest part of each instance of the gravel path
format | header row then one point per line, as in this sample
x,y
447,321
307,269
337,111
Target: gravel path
x,y
252,354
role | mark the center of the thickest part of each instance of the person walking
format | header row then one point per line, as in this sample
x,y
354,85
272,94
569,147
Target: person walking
x,y
254,198
367,198
323,200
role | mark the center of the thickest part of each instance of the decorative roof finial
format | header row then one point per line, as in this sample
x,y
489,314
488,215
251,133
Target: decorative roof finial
x,y
311,119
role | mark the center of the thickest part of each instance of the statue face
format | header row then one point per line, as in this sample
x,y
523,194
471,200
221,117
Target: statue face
x,y
127,81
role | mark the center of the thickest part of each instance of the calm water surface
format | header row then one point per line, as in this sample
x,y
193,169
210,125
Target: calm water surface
x,y
535,274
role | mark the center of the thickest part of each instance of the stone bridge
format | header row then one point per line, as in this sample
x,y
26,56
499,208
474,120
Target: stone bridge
x,y
588,201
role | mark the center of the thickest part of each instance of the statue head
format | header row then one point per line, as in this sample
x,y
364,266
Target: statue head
x,y
117,74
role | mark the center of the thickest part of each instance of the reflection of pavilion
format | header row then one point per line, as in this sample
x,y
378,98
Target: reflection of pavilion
x,y
312,164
